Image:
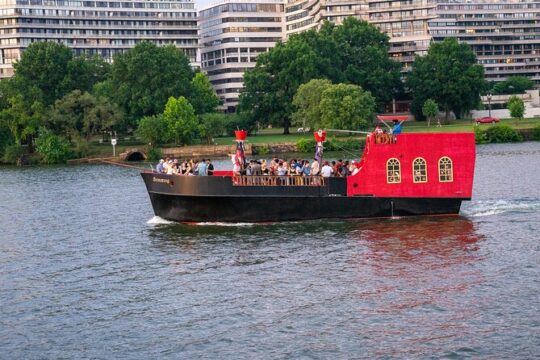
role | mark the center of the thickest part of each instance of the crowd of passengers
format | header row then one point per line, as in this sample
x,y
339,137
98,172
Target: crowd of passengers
x,y
203,167
294,167
277,167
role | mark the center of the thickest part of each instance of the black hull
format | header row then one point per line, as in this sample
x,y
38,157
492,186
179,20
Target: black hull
x,y
214,199
268,209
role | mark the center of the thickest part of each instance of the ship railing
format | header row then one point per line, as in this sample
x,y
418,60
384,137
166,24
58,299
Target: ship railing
x,y
276,180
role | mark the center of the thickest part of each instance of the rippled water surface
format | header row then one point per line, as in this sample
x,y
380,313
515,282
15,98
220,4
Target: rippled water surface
x,y
86,271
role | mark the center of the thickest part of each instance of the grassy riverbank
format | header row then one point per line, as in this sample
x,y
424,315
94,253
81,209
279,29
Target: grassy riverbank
x,y
275,135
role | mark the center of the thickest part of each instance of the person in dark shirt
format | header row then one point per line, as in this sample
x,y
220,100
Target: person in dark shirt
x,y
209,168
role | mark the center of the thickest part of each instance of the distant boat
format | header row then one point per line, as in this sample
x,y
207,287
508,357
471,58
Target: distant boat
x,y
399,175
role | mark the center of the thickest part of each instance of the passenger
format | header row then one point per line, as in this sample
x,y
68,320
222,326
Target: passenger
x,y
306,169
249,168
326,170
256,168
202,168
315,168
264,167
355,168
170,168
159,166
166,165
396,129
209,167
345,169
378,130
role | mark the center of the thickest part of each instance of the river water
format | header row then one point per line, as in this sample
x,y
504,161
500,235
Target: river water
x,y
87,271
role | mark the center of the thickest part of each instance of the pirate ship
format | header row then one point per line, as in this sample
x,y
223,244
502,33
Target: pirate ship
x,y
399,175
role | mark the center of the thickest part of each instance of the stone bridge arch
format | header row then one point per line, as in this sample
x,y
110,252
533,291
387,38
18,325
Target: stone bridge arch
x,y
133,155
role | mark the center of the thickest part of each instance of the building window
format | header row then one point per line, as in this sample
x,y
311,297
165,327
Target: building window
x,y
419,170
445,170
393,171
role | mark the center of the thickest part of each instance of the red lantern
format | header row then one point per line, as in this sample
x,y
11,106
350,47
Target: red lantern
x,y
320,136
240,135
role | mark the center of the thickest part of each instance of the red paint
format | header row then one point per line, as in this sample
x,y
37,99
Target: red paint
x,y
223,173
241,135
320,136
372,180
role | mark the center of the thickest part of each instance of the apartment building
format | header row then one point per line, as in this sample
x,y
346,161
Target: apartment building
x,y
504,34
405,21
95,27
232,34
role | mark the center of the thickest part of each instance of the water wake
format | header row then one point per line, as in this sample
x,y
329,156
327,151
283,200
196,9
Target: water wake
x,y
223,224
156,220
495,207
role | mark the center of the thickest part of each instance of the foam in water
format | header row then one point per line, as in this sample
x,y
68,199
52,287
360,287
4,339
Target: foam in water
x,y
156,220
495,207
222,224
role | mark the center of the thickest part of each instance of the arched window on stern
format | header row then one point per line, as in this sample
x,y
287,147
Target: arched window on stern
x,y
446,171
419,170
393,171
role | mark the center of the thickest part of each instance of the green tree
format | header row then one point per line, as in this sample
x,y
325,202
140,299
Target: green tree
x,y
143,78
269,88
54,149
430,110
48,70
347,106
516,107
513,85
307,101
212,125
354,52
181,120
449,75
83,114
152,130
360,56
203,98
21,120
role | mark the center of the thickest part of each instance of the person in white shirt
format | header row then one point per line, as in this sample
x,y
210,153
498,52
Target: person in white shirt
x,y
315,167
326,170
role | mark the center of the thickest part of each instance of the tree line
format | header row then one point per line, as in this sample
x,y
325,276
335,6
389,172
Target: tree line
x,y
56,102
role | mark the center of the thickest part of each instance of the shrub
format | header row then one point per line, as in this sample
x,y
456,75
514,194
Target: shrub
x,y
80,147
13,153
154,154
502,134
305,145
480,136
263,150
536,133
53,149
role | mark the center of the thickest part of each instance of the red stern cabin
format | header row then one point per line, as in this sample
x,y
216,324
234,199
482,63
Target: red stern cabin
x,y
416,165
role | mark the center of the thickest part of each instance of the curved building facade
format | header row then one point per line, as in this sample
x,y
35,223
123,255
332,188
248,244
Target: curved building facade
x,y
232,34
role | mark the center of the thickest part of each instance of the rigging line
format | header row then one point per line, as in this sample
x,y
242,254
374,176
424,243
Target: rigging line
x,y
343,149
124,165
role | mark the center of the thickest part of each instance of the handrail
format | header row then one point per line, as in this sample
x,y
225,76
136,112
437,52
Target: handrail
x,y
276,180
